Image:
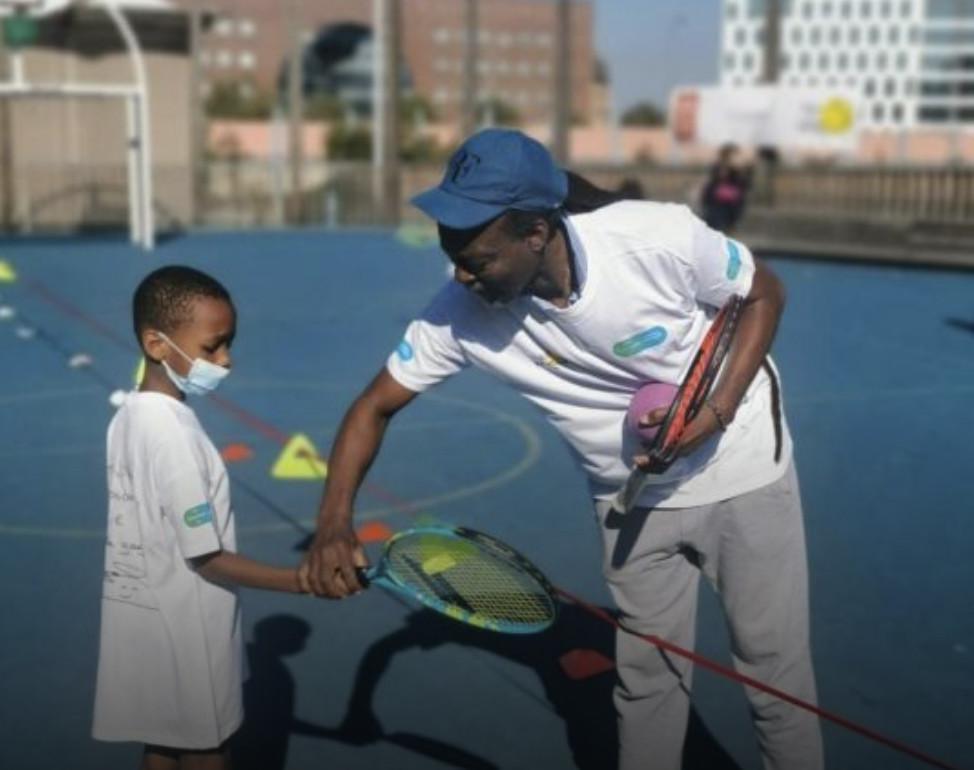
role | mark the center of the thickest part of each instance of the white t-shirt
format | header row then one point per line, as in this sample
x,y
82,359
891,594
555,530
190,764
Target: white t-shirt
x,y
653,277
170,667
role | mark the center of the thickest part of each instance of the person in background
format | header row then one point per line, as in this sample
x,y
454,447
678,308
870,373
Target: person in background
x,y
724,195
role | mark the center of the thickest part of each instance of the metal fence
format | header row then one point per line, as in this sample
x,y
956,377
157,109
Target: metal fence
x,y
248,193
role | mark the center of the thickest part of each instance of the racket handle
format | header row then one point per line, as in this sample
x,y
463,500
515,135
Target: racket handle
x,y
364,575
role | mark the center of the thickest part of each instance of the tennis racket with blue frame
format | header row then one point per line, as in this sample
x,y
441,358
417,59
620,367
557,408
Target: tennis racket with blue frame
x,y
468,576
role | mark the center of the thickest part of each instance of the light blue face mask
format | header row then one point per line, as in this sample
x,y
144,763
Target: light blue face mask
x,y
203,376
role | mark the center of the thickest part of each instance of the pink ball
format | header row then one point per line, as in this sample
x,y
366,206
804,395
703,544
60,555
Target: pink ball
x,y
653,395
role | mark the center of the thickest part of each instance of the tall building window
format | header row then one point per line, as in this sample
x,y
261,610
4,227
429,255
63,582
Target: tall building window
x,y
854,35
897,113
933,114
246,28
815,36
879,112
223,27
866,9
950,9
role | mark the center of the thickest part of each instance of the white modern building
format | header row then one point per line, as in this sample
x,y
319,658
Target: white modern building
x,y
912,61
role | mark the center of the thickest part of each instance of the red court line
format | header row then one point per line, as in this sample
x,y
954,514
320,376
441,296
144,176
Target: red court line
x,y
74,311
730,673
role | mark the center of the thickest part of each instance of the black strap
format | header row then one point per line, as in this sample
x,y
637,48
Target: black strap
x,y
775,407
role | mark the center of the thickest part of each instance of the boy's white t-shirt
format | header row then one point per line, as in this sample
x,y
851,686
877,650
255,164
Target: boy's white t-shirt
x,y
652,277
170,667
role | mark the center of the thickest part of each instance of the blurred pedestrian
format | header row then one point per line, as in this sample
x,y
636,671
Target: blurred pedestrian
x,y
724,195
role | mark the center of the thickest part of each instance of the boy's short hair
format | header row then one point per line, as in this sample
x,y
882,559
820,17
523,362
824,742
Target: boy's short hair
x,y
164,298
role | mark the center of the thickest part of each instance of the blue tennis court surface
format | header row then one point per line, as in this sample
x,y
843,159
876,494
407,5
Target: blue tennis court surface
x,y
878,368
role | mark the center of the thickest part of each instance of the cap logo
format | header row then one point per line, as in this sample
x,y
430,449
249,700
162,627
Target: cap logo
x,y
463,164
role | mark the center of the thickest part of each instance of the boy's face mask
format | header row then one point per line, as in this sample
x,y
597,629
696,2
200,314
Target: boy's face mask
x,y
203,376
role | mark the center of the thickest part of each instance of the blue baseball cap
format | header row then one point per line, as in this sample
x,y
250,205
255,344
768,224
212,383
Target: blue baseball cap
x,y
495,170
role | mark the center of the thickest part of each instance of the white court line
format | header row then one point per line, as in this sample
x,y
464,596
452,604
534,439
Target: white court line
x,y
531,452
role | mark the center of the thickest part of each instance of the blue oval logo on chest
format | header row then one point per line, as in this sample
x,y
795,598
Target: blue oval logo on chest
x,y
637,343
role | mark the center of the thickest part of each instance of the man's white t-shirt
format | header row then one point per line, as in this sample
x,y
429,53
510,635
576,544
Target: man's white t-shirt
x,y
170,666
652,278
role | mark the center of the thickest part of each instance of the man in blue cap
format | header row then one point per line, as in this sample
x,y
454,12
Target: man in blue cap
x,y
577,311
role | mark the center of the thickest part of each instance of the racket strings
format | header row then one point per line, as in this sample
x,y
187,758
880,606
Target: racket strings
x,y
471,579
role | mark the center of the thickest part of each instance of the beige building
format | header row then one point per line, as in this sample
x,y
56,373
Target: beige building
x,y
248,40
63,159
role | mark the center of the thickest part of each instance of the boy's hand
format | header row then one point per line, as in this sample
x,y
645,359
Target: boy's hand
x,y
330,564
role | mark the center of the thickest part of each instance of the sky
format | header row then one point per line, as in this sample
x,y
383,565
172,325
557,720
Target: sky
x,y
652,45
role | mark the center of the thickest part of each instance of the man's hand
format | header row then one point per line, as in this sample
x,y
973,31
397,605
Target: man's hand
x,y
697,431
330,564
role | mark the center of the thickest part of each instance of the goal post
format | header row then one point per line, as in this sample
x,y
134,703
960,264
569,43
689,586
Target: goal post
x,y
19,19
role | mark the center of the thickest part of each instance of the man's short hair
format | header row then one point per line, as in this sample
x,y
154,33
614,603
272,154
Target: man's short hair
x,y
164,299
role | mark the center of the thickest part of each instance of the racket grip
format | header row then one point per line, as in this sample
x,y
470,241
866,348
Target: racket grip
x,y
364,575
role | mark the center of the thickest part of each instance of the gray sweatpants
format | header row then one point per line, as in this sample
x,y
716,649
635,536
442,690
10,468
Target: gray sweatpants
x,y
752,550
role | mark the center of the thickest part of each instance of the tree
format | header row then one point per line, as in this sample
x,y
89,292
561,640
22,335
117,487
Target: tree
x,y
497,112
239,99
643,114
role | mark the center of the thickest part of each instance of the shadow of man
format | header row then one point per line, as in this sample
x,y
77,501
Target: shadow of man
x,y
574,661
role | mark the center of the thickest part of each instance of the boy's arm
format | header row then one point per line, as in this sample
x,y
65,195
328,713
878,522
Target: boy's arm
x,y
233,569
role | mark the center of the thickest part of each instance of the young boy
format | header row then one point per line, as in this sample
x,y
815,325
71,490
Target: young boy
x,y
171,658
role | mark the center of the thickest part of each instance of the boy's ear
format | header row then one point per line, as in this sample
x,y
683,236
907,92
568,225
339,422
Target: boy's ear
x,y
154,345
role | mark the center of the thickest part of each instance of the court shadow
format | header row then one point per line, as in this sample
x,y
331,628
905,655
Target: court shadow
x,y
574,661
269,697
960,323
262,741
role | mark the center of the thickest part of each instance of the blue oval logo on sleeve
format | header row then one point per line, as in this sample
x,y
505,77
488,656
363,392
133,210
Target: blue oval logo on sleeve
x,y
734,259
405,351
198,515
639,342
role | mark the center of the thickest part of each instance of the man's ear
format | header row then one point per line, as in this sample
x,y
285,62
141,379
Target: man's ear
x,y
540,235
154,345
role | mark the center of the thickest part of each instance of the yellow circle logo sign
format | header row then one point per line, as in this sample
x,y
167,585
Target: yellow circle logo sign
x,y
836,116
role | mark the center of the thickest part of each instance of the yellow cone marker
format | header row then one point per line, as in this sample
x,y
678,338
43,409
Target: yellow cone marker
x,y
7,272
299,460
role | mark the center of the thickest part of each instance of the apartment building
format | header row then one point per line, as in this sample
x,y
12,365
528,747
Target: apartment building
x,y
911,61
516,46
